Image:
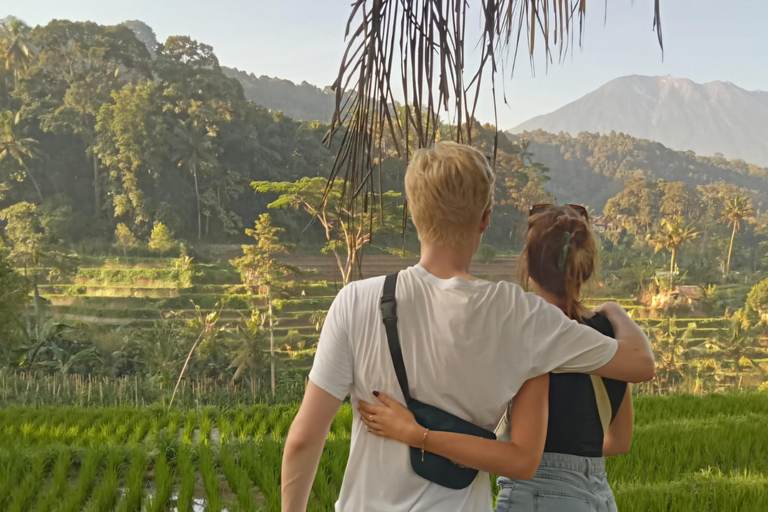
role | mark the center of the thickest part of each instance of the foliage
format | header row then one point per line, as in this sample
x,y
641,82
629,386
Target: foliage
x,y
161,240
756,306
25,233
487,253
125,239
670,236
14,290
348,226
593,168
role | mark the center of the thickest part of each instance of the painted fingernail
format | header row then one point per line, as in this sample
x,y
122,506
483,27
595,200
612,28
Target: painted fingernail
x,y
375,393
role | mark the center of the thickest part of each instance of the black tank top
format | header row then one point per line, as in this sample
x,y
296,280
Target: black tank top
x,y
574,420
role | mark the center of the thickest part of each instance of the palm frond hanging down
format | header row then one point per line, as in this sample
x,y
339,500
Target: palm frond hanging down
x,y
417,50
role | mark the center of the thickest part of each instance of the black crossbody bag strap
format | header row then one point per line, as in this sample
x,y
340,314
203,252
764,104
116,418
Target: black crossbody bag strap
x,y
389,315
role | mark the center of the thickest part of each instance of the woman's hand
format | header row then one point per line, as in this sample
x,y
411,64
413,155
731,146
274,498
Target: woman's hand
x,y
392,420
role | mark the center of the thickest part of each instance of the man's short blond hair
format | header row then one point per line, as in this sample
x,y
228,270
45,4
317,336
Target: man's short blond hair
x,y
449,187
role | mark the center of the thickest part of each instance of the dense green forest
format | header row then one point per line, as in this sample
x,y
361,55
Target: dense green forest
x,y
591,168
101,131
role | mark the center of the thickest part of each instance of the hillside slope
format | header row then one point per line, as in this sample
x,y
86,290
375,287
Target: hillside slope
x,y
591,168
303,102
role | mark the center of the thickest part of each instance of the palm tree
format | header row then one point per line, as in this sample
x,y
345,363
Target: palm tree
x,y
739,342
673,350
18,50
670,236
418,52
736,209
21,149
193,145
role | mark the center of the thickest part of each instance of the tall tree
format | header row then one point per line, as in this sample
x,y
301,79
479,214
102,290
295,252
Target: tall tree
x,y
737,208
637,206
193,146
348,227
90,61
21,149
670,236
18,48
262,273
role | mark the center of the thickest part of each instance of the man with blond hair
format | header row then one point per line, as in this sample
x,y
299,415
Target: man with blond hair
x,y
468,346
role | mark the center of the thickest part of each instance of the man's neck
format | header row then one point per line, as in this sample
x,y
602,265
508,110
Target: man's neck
x,y
446,262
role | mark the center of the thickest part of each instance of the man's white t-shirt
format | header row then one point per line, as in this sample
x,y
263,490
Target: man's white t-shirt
x,y
468,347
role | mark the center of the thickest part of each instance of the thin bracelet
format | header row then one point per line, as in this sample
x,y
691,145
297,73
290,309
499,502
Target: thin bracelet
x,y
424,444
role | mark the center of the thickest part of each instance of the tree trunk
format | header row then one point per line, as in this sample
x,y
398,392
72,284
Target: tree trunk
x,y
730,250
271,348
341,268
26,309
197,195
96,199
34,181
672,265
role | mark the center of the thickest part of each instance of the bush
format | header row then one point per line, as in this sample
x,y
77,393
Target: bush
x,y
162,241
125,239
757,301
487,253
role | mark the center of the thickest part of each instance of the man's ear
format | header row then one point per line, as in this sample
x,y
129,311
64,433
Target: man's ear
x,y
485,222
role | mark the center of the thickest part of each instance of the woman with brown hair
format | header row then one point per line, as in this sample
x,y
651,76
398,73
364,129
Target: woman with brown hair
x,y
589,417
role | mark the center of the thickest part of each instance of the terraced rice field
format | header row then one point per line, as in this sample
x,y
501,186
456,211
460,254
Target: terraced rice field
x,y
138,294
690,454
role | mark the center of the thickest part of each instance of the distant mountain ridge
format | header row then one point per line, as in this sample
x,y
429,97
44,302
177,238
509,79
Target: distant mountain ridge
x,y
710,118
302,102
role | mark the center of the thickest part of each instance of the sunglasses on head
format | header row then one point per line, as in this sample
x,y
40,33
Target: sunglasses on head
x,y
541,208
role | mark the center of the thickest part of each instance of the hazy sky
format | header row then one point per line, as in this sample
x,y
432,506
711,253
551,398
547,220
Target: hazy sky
x,y
303,40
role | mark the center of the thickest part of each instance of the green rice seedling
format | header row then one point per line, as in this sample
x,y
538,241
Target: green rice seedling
x,y
338,454
187,481
273,418
321,489
239,426
77,496
342,423
105,494
263,463
225,429
135,481
238,480
163,485
22,496
189,429
12,464
206,425
210,479
139,432
58,483
259,427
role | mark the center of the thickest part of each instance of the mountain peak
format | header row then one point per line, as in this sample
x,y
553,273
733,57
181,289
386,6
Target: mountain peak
x,y
709,118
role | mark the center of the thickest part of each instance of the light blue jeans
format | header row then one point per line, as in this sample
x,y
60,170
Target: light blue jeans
x,y
563,483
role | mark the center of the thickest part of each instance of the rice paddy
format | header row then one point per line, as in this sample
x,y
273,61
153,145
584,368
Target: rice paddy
x,y
689,454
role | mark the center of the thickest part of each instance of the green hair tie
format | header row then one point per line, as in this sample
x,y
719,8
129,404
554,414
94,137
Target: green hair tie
x,y
566,246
